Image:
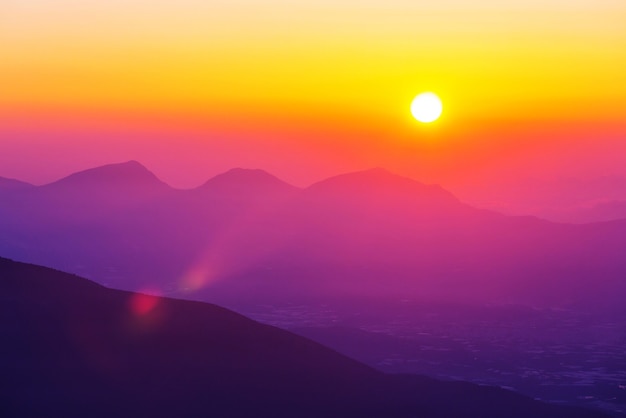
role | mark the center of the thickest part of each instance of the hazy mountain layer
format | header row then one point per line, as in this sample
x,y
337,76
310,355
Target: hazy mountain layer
x,y
247,235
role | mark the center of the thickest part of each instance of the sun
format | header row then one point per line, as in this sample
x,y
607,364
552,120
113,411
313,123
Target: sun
x,y
426,107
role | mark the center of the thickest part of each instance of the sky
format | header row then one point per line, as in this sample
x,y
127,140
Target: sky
x,y
307,89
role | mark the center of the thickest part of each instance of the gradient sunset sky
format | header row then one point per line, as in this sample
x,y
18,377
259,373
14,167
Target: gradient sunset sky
x,y
311,88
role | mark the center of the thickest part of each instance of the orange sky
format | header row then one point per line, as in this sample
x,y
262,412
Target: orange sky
x,y
307,88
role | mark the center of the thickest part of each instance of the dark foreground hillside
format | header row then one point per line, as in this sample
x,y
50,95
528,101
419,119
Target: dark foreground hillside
x,y
73,348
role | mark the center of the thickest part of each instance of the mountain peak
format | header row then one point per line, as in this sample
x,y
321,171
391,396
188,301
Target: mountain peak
x,y
376,180
380,190
246,174
237,180
116,174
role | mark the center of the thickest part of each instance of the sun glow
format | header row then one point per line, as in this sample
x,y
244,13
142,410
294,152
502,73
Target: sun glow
x,y
426,107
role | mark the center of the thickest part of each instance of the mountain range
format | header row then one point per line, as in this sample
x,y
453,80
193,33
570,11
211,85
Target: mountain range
x,y
569,200
247,235
74,348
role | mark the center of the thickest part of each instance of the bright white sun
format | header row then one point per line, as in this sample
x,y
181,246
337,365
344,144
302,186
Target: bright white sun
x,y
426,107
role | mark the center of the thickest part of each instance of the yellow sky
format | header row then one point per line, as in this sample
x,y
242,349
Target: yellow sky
x,y
309,88
520,59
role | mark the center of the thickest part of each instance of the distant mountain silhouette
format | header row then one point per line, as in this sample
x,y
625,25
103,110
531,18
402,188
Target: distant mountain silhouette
x,y
570,200
89,194
130,173
239,181
7,184
114,185
597,212
72,348
386,199
382,185
247,235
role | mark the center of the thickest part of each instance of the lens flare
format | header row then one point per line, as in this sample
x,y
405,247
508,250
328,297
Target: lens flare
x,y
142,303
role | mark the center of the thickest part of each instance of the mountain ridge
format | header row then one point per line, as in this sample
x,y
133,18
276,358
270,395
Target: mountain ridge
x,y
75,348
233,176
244,181
380,178
113,174
397,235
9,184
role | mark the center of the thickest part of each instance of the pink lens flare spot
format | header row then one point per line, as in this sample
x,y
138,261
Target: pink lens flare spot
x,y
142,303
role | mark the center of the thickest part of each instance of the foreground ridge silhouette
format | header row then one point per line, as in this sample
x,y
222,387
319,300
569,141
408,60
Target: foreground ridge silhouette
x,y
74,348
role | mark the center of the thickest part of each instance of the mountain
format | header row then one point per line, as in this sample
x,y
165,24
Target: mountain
x,y
74,348
597,212
130,173
558,200
375,234
246,235
377,193
127,182
88,195
236,200
10,189
381,183
7,184
240,182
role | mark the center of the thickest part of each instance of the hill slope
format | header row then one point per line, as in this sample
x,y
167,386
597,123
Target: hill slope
x,y
74,348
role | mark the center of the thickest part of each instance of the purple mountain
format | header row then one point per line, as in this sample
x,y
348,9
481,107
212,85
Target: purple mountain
x,y
246,234
7,184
